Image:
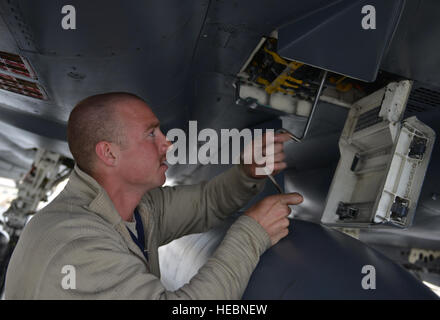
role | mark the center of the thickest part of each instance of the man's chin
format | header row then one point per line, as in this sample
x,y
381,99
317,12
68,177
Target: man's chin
x,y
163,179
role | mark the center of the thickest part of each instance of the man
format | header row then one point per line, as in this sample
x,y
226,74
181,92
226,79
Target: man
x,y
99,238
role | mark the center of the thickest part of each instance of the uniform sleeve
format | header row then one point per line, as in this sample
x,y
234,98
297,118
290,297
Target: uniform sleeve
x,y
104,269
183,210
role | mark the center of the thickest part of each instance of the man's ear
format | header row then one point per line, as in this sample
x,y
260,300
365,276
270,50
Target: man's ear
x,y
107,152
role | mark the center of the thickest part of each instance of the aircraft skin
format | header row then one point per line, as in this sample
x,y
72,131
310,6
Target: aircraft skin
x,y
184,59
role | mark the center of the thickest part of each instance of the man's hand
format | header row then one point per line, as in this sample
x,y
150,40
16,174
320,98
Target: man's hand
x,y
273,152
271,213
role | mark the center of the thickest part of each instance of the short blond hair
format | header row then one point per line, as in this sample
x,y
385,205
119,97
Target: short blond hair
x,y
92,120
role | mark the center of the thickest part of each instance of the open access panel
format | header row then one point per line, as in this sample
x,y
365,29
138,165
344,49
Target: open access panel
x,y
382,165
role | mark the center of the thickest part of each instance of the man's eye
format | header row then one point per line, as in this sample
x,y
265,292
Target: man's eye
x,y
152,134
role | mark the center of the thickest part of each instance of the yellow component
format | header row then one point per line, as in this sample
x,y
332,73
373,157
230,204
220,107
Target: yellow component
x,y
286,84
344,87
281,79
276,57
340,85
291,79
263,81
284,78
341,79
332,79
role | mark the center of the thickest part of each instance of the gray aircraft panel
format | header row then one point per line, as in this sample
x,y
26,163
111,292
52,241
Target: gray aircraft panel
x,y
316,262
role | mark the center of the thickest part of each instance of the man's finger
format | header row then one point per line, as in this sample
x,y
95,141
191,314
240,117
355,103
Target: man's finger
x,y
279,212
278,166
275,157
291,198
267,138
287,198
274,149
281,137
271,166
275,141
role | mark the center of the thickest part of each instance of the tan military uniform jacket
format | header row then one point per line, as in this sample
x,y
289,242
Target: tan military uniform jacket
x,y
82,230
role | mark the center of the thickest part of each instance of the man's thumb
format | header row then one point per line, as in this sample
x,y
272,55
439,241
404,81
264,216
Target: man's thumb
x,y
290,198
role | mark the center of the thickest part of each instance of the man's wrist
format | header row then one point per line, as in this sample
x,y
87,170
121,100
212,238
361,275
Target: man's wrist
x,y
255,184
247,170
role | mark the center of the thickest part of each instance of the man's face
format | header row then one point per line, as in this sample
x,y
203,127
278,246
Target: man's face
x,y
141,161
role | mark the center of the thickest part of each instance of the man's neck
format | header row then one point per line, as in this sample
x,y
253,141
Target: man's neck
x,y
124,199
125,203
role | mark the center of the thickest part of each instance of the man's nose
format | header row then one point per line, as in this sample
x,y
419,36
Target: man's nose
x,y
165,143
168,144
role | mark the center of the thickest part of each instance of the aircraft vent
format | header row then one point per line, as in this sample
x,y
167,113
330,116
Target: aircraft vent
x,y
423,99
17,76
21,86
367,119
15,64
